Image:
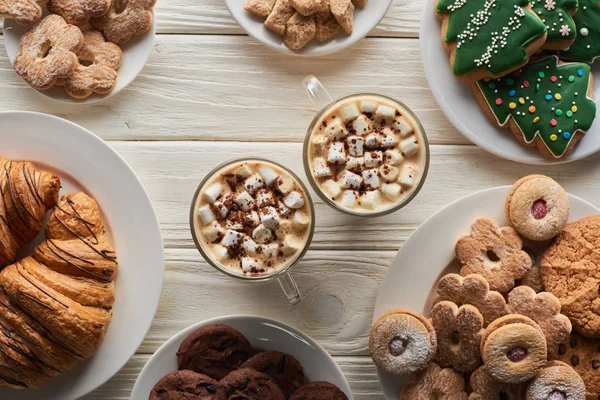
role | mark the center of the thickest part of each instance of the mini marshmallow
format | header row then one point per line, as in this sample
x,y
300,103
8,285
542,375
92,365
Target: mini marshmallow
x,y
221,252
231,238
254,183
401,124
270,250
289,246
371,178
331,188
285,184
355,163
234,225
250,245
388,138
386,112
362,125
349,198
243,172
213,192
268,174
283,209
370,199
391,191
220,205
264,198
393,157
206,214
250,264
373,159
349,179
408,174
336,130
409,146
356,145
321,169
283,229
336,153
349,112
262,234
245,201
373,141
368,106
213,231
320,144
252,219
301,219
294,200
389,173
269,217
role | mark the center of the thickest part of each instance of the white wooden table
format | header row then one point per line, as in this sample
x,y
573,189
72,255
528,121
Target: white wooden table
x,y
210,93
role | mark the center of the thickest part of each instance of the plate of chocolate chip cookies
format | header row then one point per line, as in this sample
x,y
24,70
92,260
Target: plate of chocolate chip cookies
x,y
241,357
503,304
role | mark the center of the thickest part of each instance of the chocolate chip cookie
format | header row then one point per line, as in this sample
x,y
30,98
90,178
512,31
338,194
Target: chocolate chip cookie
x,y
248,383
583,355
319,391
283,368
214,350
186,385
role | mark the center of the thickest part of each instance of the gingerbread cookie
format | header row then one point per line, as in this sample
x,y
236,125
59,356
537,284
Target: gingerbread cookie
x,y
24,12
558,17
485,387
571,271
557,381
537,207
493,252
544,309
125,19
458,332
319,391
285,370
586,47
546,104
583,355
47,52
436,383
513,348
185,385
100,76
489,39
214,350
79,12
247,383
402,342
472,289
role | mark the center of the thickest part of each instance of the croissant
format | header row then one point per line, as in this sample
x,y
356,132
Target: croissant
x,y
26,196
55,305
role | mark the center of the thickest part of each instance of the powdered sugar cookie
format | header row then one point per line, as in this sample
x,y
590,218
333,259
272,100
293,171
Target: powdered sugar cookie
x,y
125,19
557,381
485,387
458,332
583,355
402,342
436,383
472,289
79,12
493,252
24,12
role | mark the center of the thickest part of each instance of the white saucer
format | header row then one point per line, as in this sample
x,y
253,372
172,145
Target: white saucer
x,y
365,20
411,280
135,55
85,162
263,334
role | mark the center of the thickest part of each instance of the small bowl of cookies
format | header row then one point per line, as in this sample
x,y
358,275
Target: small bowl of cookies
x,y
79,51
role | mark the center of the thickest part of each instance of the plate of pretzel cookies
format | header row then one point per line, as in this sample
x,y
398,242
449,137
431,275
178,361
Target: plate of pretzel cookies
x,y
78,51
503,304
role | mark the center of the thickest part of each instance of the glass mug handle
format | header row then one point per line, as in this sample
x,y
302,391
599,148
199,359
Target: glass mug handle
x,y
290,288
316,91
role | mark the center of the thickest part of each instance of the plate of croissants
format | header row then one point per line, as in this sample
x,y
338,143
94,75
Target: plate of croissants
x,y
81,259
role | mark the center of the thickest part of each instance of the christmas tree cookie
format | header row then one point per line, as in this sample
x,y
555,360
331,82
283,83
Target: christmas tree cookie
x,y
558,17
547,104
489,38
587,44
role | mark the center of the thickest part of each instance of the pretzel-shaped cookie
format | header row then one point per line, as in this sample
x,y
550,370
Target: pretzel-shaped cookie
x,y
25,12
79,12
125,19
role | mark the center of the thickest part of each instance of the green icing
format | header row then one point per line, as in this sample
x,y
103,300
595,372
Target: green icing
x,y
556,94
587,43
555,14
491,34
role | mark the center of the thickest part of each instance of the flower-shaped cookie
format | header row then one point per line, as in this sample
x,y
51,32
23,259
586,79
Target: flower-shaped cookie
x,y
436,383
543,308
48,52
458,332
484,387
125,19
475,290
556,381
25,12
79,12
493,252
100,76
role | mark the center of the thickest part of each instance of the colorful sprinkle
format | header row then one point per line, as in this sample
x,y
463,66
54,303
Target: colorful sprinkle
x,y
521,100
558,96
558,112
512,93
584,32
541,74
553,122
574,109
571,78
553,79
537,86
510,81
532,109
526,84
536,120
548,97
569,113
567,135
553,137
498,101
512,105
580,72
492,85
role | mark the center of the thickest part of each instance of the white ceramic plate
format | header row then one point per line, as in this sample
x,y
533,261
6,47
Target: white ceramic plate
x,y
457,101
263,334
84,162
411,280
365,20
135,55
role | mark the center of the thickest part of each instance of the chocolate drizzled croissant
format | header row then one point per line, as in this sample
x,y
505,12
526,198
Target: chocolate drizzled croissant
x,y
55,306
26,195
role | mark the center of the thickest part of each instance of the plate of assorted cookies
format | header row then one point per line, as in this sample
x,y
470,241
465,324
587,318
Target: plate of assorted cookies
x,y
502,305
519,67
78,50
